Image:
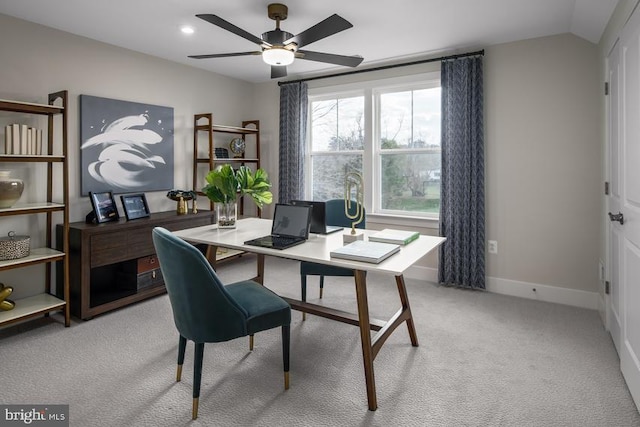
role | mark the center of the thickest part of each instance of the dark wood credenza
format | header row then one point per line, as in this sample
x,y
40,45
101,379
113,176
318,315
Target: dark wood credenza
x,y
103,259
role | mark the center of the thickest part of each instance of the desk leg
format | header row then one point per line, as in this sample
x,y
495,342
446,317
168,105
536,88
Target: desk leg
x,y
260,269
365,337
211,255
404,299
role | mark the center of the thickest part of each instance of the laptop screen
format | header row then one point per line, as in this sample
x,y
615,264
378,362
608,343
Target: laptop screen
x,y
317,214
289,220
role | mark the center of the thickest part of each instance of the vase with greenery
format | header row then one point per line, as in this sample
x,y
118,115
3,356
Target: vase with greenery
x,y
225,184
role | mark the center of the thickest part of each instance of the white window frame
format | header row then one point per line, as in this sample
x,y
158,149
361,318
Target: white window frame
x,y
371,91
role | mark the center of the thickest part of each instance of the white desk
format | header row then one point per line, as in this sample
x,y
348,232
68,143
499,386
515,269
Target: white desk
x,y
317,249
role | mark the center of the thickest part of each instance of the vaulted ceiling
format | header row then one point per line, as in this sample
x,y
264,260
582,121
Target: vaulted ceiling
x,y
382,32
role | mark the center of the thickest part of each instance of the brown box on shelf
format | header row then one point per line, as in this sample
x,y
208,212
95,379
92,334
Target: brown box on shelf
x,y
140,273
141,265
140,281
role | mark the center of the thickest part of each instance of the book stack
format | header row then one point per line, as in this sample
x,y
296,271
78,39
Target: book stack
x,y
22,140
360,250
399,237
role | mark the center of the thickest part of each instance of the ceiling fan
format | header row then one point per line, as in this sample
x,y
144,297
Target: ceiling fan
x,y
279,48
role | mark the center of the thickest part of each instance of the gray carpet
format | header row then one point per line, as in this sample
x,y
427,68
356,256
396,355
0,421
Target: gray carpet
x,y
483,360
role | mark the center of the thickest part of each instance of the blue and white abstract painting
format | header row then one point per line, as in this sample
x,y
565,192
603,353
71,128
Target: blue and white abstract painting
x,y
125,146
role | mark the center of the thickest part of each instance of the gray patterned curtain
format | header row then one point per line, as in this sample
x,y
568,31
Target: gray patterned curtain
x,y
462,180
293,131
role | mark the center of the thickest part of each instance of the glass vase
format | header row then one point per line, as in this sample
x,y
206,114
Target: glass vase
x,y
226,213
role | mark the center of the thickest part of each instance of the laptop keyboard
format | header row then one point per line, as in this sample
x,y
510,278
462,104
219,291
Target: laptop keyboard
x,y
281,240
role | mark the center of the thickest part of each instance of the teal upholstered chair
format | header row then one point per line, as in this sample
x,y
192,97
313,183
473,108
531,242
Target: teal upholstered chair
x,y
334,215
206,311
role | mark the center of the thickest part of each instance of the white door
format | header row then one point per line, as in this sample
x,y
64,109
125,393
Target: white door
x,y
625,199
614,316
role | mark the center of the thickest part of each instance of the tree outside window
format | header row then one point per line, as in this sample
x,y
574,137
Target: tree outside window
x,y
401,157
337,144
409,150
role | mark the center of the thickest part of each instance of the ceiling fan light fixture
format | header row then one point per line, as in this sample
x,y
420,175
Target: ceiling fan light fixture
x,y
186,29
278,56
279,48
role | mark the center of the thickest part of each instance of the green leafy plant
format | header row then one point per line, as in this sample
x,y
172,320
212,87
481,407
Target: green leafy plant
x,y
224,184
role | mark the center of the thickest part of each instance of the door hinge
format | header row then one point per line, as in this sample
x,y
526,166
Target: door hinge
x,y
607,287
606,188
606,88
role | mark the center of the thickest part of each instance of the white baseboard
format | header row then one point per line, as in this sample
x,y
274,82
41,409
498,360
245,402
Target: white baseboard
x,y
555,294
602,309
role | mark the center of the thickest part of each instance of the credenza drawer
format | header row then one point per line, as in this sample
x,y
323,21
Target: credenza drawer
x,y
120,246
108,248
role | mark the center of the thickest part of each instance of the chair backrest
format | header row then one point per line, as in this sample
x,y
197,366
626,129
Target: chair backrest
x,y
335,213
203,310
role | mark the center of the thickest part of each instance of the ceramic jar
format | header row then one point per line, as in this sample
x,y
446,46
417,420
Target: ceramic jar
x,y
10,189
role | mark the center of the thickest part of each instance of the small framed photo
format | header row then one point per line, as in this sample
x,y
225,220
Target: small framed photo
x,y
104,206
135,206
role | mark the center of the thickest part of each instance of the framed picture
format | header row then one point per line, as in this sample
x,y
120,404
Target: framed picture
x,y
135,206
104,206
125,147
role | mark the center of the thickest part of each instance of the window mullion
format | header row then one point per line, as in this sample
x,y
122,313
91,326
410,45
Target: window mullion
x,y
368,160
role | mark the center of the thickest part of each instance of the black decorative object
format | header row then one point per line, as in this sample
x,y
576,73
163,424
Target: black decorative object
x,y
90,218
135,206
185,194
221,153
104,206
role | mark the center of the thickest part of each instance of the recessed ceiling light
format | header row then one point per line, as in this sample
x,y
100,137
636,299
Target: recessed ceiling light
x,y
187,29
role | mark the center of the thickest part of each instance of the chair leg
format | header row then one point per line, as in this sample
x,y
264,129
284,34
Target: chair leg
x,y
321,285
251,342
197,377
303,285
286,335
182,346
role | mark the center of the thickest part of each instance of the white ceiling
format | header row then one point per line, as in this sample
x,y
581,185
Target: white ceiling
x,y
382,32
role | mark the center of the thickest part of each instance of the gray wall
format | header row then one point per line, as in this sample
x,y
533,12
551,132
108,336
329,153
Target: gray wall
x,y
543,161
542,126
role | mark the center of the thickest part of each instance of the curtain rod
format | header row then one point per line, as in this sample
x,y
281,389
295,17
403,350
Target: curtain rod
x,y
386,67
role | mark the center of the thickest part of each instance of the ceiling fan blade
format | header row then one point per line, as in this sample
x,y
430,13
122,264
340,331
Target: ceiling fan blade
x,y
278,71
216,20
349,61
332,25
224,55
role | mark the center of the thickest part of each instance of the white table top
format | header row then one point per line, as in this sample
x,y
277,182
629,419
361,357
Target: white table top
x,y
316,249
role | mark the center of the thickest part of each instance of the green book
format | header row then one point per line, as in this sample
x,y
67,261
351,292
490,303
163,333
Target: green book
x,y
399,237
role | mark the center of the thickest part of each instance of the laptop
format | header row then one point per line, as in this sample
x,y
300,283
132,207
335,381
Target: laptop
x,y
318,217
290,227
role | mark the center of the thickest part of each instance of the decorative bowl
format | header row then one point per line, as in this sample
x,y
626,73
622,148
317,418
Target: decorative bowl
x,y
10,189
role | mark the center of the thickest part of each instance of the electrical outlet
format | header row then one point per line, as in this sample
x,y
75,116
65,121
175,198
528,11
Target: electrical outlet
x,y
492,246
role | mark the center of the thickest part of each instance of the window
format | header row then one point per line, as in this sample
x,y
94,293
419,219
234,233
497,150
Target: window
x,y
390,134
337,144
